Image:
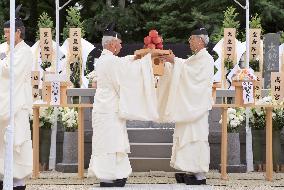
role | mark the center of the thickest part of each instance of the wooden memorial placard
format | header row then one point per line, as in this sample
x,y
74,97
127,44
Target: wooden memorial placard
x,y
258,85
35,80
157,64
75,50
282,62
277,86
254,43
255,48
46,45
228,52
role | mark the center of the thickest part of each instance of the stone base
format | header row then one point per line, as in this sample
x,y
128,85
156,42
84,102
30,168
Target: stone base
x,y
67,168
235,168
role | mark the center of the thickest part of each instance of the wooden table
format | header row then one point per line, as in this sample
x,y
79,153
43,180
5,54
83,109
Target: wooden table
x,y
224,138
80,107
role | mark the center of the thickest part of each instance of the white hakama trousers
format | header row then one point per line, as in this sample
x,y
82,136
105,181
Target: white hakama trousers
x,y
110,148
191,151
110,166
23,153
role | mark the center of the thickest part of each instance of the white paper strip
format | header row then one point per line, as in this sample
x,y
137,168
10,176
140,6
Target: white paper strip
x,y
55,93
248,92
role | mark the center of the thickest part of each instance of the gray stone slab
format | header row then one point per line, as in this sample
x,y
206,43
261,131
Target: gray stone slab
x,y
235,168
150,135
151,151
146,165
67,168
271,56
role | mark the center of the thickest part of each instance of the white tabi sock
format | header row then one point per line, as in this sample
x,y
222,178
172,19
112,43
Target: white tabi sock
x,y
18,182
200,176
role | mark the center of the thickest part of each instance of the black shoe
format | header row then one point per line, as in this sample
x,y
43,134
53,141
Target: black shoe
x,y
106,184
191,180
120,182
180,177
19,188
201,182
1,185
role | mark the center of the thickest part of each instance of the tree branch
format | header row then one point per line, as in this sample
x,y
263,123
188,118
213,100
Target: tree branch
x,y
244,7
65,4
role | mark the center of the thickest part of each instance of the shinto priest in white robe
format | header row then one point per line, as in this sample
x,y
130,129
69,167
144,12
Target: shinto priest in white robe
x,y
185,98
125,91
22,108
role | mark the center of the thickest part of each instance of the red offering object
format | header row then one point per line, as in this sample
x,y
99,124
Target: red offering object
x,y
157,40
159,46
153,33
147,40
153,41
151,46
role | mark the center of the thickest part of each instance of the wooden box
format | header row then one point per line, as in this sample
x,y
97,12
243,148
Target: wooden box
x,y
157,64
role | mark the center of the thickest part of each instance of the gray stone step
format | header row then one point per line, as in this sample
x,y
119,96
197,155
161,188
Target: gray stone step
x,y
152,150
144,164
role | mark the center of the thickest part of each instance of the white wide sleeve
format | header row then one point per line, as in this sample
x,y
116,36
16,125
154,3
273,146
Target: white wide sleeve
x,y
137,95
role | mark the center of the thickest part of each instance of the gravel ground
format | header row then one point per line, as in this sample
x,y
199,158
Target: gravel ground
x,y
158,180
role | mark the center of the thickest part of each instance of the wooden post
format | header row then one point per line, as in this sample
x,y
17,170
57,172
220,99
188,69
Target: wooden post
x,y
269,160
35,142
214,88
224,142
81,142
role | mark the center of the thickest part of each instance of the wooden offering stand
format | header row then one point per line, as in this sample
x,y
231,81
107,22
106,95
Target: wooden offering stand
x,y
157,63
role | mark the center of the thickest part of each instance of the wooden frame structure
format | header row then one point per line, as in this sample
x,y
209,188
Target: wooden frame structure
x,y
80,136
224,138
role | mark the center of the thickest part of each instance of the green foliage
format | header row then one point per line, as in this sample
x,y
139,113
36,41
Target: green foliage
x,y
75,74
44,65
3,11
228,64
44,21
230,21
282,37
2,39
255,22
254,64
73,20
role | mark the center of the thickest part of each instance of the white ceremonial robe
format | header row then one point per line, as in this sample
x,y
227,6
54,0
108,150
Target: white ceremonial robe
x,y
185,98
22,108
125,91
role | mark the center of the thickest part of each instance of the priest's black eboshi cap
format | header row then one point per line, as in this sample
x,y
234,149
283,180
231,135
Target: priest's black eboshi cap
x,y
18,20
200,31
109,31
18,23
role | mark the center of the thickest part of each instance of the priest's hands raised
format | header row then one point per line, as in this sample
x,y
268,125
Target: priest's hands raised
x,y
168,58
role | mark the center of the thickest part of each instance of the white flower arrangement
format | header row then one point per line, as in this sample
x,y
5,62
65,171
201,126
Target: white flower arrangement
x,y
235,119
69,119
46,117
257,115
